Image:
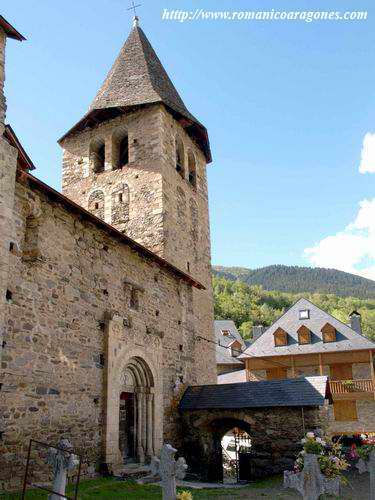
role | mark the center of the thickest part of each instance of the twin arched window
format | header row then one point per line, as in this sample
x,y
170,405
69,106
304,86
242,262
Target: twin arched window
x,y
97,155
120,151
180,157
192,169
180,163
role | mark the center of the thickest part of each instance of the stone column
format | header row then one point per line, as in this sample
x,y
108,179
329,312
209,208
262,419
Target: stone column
x,y
112,453
140,451
150,430
144,421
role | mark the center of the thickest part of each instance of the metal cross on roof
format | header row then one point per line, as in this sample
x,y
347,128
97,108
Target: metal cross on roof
x,y
133,7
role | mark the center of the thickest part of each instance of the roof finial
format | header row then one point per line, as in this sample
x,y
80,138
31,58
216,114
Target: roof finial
x,y
135,18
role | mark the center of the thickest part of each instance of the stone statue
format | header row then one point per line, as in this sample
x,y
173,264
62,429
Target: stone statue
x,y
168,469
310,482
62,461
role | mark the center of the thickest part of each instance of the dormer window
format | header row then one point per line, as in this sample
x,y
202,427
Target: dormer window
x,y
304,314
281,337
328,333
304,335
235,348
225,333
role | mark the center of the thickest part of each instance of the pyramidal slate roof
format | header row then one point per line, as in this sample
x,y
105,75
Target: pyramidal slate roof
x,y
347,339
304,391
138,78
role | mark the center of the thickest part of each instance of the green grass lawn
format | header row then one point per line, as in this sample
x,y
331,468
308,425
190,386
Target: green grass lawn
x,y
111,488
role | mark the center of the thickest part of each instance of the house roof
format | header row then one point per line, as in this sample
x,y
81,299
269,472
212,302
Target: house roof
x,y
223,352
138,78
73,207
347,339
24,161
306,391
232,377
10,30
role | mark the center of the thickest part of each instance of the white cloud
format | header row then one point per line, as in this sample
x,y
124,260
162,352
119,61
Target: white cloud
x,y
353,249
368,154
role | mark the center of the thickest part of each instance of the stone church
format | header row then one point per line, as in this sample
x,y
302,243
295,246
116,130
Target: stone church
x,y
106,307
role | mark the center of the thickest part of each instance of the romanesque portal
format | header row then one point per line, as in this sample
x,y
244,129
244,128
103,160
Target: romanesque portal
x,y
136,412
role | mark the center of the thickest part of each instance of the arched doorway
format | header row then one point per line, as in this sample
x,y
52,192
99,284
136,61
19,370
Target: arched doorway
x,y
136,412
231,444
236,453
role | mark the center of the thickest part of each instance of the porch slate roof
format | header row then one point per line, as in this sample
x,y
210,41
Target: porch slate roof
x,y
305,391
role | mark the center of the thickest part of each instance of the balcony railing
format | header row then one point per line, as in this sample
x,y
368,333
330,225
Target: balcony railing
x,y
351,387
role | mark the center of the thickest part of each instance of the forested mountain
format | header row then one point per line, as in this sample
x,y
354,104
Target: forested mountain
x,y
294,279
249,305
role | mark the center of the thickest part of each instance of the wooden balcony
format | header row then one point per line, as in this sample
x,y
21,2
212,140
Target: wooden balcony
x,y
352,389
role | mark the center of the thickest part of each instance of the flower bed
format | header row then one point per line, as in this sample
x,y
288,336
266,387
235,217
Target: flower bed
x,y
330,457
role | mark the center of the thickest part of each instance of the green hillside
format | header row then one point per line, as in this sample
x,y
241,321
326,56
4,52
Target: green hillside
x,y
294,279
249,305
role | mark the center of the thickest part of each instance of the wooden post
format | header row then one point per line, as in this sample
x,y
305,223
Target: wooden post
x,y
372,371
320,364
247,365
293,367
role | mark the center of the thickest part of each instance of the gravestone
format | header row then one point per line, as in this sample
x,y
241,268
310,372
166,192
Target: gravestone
x,y
168,469
310,482
369,466
62,461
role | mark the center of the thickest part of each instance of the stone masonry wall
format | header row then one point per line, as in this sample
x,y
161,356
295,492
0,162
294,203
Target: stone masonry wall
x,y
8,166
62,290
275,437
159,209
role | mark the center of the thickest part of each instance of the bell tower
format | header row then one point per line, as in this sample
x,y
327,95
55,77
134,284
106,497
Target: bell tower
x,y
137,160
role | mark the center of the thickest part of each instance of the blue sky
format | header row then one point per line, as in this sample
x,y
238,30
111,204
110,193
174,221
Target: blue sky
x,y
287,106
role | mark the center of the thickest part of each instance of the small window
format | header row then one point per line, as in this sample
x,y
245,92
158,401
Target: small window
x,y
328,333
304,335
281,337
226,333
120,197
134,301
304,314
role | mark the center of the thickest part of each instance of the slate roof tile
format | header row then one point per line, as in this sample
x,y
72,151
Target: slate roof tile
x,y
305,391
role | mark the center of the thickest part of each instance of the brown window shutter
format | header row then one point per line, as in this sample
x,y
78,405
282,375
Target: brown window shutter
x,y
345,411
276,373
